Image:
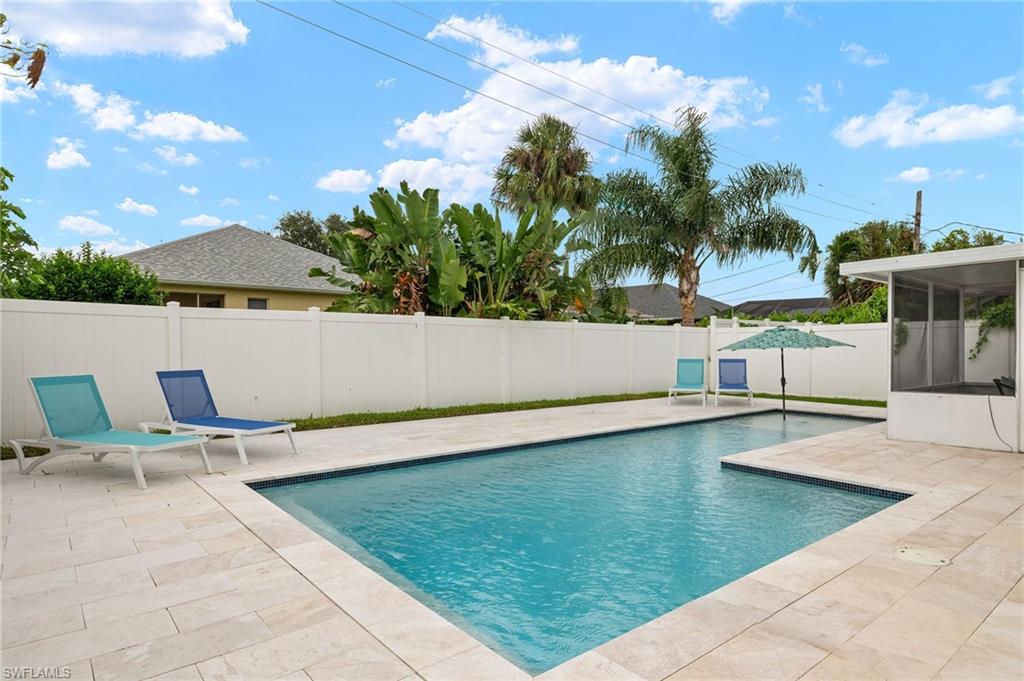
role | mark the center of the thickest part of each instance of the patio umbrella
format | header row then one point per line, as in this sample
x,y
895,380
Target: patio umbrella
x,y
783,337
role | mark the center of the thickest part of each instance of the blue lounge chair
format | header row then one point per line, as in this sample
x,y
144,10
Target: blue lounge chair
x,y
732,377
689,379
190,408
76,422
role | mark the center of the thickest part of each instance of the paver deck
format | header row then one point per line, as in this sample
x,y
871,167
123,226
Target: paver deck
x,y
199,577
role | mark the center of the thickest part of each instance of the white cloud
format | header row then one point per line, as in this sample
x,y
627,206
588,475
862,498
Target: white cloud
x,y
273,197
84,95
184,127
980,176
186,28
85,226
229,201
92,211
724,11
121,150
386,82
253,163
118,246
457,182
814,99
765,122
495,31
203,220
107,112
350,181
150,168
190,190
915,174
478,130
920,174
951,174
838,85
172,156
115,114
1000,87
858,54
898,125
130,205
67,155
14,88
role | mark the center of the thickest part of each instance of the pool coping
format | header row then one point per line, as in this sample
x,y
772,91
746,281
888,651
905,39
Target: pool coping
x,y
336,573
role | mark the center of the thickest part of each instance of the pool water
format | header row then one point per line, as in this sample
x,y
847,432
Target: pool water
x,y
543,553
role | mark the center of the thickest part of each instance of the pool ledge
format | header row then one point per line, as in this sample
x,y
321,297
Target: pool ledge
x,y
202,576
795,613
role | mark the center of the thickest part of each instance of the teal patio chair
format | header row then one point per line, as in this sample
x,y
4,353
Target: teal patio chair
x,y
732,377
76,422
689,380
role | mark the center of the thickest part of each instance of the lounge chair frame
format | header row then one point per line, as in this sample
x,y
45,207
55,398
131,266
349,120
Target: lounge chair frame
x,y
169,423
733,387
688,389
61,446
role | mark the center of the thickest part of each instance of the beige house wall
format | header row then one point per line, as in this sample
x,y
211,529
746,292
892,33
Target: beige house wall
x,y
238,298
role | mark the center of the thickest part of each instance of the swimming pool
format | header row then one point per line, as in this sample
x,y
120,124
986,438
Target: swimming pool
x,y
545,552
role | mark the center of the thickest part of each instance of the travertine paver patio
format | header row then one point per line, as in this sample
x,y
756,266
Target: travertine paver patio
x,y
199,577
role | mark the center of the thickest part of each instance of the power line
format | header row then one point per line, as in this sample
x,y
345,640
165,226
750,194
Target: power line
x,y
473,60
736,274
536,64
766,281
773,293
439,76
498,100
973,226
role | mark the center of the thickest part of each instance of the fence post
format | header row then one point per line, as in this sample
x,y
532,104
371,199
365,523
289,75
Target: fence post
x,y
574,355
314,366
630,348
506,360
678,341
420,319
712,351
808,327
173,335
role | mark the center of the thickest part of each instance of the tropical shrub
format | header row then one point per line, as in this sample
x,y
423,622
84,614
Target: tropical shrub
x,y
18,264
959,238
89,277
876,239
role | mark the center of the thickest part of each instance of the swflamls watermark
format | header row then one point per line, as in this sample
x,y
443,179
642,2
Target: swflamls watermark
x,y
63,672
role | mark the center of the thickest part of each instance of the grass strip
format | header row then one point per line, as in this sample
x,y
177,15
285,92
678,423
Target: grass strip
x,y
371,418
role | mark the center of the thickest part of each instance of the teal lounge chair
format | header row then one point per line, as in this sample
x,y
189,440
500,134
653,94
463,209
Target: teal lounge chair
x,y
689,379
77,423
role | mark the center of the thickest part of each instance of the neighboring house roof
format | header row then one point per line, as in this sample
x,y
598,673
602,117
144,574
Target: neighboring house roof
x,y
236,257
653,301
763,308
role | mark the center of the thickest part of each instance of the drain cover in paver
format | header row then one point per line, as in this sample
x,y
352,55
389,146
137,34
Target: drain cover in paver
x,y
921,556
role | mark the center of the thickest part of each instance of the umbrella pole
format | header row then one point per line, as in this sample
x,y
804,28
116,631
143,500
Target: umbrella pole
x,y
782,353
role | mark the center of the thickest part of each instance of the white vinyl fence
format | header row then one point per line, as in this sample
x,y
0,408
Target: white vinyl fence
x,y
276,364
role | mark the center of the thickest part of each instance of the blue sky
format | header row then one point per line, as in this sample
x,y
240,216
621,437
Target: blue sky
x,y
160,120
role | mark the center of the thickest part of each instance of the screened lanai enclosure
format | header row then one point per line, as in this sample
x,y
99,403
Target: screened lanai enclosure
x,y
953,329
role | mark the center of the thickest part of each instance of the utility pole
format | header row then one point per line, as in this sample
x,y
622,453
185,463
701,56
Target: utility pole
x,y
917,223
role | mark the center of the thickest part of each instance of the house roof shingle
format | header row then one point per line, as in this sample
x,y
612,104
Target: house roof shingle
x,y
763,308
239,257
654,301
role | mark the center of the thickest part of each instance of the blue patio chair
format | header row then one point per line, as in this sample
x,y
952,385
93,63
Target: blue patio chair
x,y
190,408
732,377
76,422
689,379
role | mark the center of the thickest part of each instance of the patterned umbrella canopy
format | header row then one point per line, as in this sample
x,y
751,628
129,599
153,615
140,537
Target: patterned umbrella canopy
x,y
785,337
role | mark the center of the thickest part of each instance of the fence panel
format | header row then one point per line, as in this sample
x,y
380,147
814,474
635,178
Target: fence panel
x,y
277,364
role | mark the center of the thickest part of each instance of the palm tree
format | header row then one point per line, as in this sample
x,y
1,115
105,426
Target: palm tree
x,y
875,239
670,227
546,165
